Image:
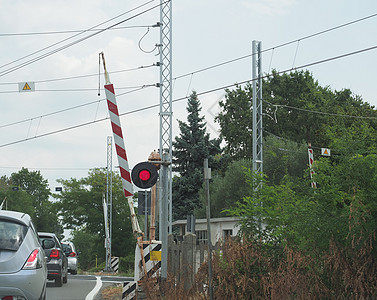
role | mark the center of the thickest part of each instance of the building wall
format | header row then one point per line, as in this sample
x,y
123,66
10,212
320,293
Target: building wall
x,y
220,227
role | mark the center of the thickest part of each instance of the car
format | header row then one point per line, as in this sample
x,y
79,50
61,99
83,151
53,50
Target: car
x,y
70,251
23,270
57,262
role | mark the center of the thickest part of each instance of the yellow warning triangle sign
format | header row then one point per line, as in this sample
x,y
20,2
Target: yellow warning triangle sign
x,y
26,87
325,151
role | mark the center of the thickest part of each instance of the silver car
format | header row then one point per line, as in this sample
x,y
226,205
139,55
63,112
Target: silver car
x,y
23,271
70,251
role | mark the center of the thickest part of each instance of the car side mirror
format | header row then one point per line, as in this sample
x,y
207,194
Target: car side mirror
x,y
48,244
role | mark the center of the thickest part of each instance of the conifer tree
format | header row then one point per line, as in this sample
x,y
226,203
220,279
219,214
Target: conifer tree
x,y
190,149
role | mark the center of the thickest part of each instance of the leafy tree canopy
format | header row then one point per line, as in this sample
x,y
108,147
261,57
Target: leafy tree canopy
x,y
81,210
27,191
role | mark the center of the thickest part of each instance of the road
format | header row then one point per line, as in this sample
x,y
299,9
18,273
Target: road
x,y
82,287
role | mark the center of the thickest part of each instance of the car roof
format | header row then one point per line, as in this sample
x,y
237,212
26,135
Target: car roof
x,y
46,234
19,217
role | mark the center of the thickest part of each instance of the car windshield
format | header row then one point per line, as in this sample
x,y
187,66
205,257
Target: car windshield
x,y
66,248
12,235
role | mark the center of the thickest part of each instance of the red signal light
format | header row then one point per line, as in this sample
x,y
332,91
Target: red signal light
x,y
144,175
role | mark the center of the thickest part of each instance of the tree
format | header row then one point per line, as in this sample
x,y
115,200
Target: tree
x,y
81,210
226,190
190,149
295,107
29,192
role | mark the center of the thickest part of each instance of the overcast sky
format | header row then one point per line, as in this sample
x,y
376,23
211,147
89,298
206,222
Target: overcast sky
x,y
205,33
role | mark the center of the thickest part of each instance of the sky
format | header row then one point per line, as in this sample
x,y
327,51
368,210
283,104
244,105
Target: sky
x,y
205,35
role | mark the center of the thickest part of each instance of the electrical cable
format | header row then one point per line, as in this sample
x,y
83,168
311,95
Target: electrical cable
x,y
176,100
278,46
226,62
320,112
79,89
70,108
31,61
85,76
69,31
50,46
209,91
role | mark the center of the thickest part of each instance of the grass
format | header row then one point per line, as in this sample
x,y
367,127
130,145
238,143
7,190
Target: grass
x,y
112,293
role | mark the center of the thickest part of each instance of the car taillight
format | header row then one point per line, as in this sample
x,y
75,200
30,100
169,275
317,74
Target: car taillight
x,y
55,253
72,254
33,261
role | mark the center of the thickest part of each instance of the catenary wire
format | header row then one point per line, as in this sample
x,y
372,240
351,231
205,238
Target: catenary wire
x,y
278,46
70,31
31,61
285,71
184,98
85,76
71,37
215,89
223,63
71,108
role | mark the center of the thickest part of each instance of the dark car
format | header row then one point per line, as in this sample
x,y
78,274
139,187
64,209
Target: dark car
x,y
23,272
57,262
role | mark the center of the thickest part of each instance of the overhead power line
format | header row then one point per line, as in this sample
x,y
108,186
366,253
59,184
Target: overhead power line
x,y
194,72
219,88
278,46
87,75
33,60
69,31
181,99
70,108
199,94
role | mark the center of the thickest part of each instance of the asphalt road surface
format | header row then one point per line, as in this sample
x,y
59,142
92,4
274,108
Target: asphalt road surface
x,y
82,287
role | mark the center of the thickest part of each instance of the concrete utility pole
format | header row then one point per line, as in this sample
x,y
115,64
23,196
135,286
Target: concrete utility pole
x,y
165,150
257,107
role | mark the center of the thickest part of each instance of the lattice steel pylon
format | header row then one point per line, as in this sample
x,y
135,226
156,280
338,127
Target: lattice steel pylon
x,y
165,151
109,201
257,107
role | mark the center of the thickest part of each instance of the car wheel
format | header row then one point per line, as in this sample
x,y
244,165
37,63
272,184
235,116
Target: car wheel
x,y
65,278
73,272
59,281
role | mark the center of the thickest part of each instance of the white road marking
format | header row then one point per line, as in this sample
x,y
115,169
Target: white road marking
x,y
94,291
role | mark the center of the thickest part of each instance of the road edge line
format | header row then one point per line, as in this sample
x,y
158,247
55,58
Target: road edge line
x,y
96,289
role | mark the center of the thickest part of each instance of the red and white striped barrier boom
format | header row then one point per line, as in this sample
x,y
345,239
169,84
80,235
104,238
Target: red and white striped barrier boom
x,y
311,160
120,148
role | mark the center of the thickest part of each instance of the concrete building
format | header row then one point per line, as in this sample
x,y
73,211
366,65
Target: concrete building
x,y
220,228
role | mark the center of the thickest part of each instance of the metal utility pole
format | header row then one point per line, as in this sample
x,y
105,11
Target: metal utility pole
x,y
165,150
257,108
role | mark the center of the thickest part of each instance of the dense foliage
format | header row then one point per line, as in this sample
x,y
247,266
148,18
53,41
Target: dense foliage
x,y
81,210
297,242
28,192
